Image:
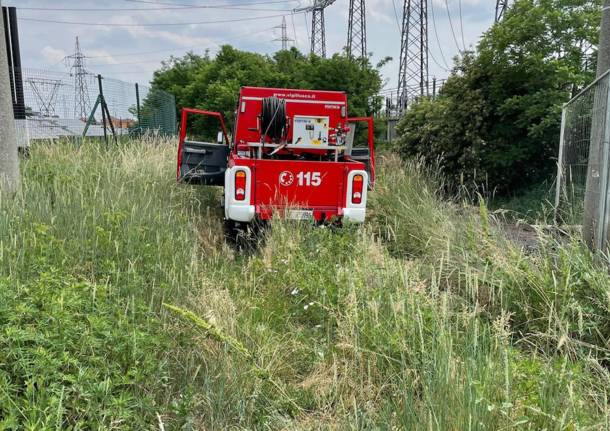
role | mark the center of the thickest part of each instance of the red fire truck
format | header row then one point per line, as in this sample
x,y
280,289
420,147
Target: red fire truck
x,y
291,153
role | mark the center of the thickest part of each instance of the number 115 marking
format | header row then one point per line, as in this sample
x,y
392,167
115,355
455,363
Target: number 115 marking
x,y
309,179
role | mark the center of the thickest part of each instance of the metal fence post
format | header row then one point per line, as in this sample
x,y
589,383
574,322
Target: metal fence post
x,y
560,164
604,206
101,87
138,105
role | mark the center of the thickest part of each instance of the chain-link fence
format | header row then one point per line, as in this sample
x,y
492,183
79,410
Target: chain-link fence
x,y
584,130
390,96
390,104
54,105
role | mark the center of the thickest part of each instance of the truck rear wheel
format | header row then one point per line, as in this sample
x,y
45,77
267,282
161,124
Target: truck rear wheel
x,y
244,236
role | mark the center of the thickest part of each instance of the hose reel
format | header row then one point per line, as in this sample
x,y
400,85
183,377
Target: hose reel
x,y
273,118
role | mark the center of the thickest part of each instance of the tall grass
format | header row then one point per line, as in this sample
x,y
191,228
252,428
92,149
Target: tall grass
x,y
424,318
558,296
89,248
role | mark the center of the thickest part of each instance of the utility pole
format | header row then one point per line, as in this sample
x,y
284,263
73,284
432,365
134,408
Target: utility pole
x,y
596,204
501,7
284,38
9,158
82,102
13,51
318,28
356,30
413,71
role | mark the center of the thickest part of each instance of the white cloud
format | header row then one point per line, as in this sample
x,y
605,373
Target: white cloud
x,y
102,56
52,55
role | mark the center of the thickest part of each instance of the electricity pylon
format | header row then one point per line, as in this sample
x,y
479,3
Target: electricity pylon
x,y
284,37
82,102
501,6
46,92
356,30
318,29
413,70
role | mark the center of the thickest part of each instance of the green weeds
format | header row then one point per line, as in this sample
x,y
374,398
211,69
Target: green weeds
x,y
424,318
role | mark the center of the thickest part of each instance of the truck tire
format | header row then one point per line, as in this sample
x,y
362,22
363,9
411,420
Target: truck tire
x,y
244,236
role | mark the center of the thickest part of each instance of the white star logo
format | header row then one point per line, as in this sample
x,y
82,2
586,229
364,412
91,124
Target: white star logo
x,y
286,178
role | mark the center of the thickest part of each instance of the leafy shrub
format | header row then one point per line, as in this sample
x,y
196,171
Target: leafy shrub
x,y
496,121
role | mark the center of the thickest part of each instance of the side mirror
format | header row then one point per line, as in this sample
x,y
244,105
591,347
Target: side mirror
x,y
220,138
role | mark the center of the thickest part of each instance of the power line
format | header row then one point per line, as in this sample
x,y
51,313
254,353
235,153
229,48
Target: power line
x,y
294,30
307,28
189,5
123,64
451,25
168,24
396,15
438,63
188,48
461,24
167,7
438,40
221,6
242,2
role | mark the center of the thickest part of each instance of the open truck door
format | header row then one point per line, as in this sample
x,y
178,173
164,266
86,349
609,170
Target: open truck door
x,y
202,162
359,153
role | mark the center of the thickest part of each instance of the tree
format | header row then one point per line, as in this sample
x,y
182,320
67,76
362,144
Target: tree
x,y
9,159
497,119
214,83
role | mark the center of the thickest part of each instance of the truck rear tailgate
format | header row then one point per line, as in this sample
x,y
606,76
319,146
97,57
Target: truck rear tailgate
x,y
318,186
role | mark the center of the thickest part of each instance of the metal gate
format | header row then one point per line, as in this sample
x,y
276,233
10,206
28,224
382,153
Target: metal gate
x,y
583,163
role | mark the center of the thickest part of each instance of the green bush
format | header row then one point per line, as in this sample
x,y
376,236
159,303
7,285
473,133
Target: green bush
x,y
495,125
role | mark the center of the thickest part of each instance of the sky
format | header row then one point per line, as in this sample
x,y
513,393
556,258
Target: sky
x,y
128,39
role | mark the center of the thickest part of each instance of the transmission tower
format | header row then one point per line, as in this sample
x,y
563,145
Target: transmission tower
x,y
413,71
46,92
356,31
284,38
501,6
82,103
318,29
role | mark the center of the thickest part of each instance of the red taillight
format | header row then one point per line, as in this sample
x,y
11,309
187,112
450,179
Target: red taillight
x,y
240,185
357,188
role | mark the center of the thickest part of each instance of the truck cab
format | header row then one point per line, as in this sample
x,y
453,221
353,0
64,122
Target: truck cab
x,y
290,154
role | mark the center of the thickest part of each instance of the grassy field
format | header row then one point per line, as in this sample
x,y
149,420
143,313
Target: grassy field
x,y
121,307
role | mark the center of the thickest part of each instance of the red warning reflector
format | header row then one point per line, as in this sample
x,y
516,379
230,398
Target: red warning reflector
x,y
240,185
357,188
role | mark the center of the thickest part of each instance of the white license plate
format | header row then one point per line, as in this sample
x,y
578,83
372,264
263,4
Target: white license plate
x,y
300,214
